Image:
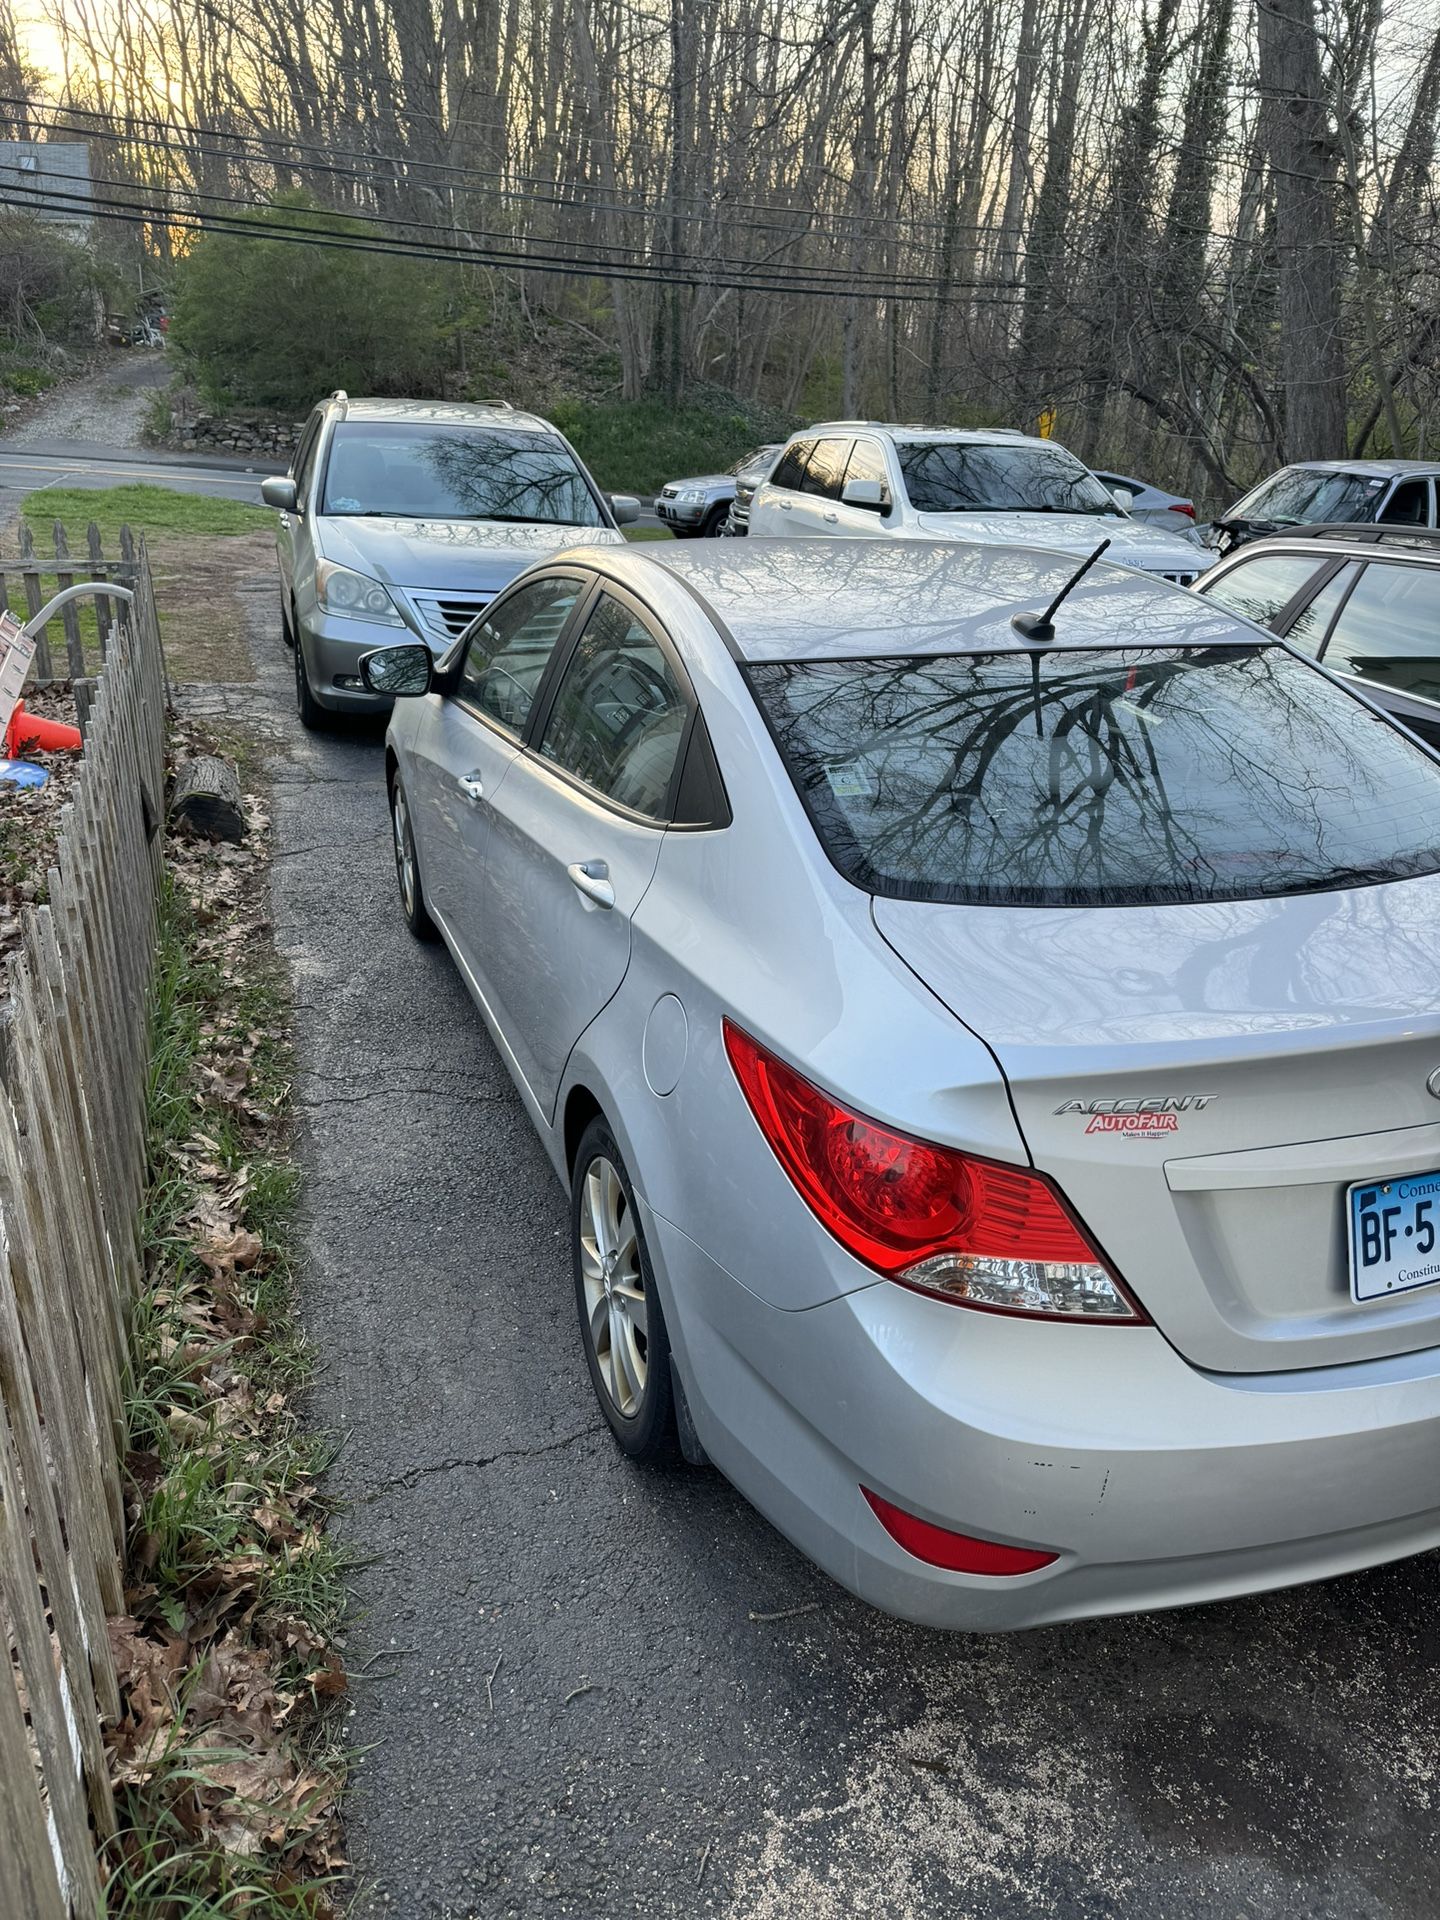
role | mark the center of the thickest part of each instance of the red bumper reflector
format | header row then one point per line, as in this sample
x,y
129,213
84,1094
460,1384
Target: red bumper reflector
x,y
957,1552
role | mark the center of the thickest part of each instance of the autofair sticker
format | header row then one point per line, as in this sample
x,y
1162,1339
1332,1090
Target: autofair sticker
x,y
1160,1113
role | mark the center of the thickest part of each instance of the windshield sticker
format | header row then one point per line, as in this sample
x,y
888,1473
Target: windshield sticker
x,y
850,779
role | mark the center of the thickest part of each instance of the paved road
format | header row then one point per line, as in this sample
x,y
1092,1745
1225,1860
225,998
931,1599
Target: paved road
x,y
565,1703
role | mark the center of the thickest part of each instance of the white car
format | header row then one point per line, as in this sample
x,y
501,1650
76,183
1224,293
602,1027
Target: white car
x,y
991,487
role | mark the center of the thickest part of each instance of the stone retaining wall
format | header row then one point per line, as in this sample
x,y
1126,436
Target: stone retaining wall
x,y
237,433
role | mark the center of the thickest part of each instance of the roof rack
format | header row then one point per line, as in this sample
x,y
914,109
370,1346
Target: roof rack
x,y
1365,531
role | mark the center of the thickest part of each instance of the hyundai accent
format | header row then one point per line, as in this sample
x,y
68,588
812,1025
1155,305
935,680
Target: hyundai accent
x,y
993,1058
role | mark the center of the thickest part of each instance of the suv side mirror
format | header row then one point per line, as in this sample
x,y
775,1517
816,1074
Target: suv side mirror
x,y
1123,498
625,508
280,493
872,495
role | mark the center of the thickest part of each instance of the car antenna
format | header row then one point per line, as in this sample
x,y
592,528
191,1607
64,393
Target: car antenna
x,y
1039,628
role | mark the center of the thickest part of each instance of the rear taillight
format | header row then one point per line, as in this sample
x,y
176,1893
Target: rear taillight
x,y
957,1552
1184,506
970,1231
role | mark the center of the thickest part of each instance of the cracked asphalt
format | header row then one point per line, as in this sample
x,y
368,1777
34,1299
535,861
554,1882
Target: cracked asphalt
x,y
564,1702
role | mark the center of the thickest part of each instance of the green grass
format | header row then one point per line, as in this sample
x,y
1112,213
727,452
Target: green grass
x,y
144,509
648,533
634,447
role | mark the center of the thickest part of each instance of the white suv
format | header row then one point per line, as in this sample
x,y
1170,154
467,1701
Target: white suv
x,y
859,478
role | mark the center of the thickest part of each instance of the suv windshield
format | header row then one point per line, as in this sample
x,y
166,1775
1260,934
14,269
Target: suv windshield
x,y
1100,778
431,472
1301,496
956,476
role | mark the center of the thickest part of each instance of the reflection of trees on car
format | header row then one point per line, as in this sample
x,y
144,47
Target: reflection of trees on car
x,y
949,476
456,473
1099,778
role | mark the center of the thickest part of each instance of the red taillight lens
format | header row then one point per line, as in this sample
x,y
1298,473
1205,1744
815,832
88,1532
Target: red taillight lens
x,y
1185,507
970,1230
957,1552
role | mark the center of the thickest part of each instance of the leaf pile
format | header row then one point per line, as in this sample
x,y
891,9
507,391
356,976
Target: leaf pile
x,y
225,1765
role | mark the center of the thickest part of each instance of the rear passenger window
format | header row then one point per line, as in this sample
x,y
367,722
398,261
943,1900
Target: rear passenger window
x,y
1263,587
1390,630
825,468
510,649
619,714
791,470
1408,505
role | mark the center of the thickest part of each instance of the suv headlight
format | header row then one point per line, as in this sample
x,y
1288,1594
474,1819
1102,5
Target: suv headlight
x,y
356,595
691,494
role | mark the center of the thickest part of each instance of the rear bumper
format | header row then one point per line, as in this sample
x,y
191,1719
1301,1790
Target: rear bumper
x,y
1155,1484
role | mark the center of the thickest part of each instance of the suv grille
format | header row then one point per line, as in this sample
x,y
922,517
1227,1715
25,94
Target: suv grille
x,y
452,613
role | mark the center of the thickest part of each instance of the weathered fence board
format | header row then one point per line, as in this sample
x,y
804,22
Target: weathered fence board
x,y
73,1069
31,577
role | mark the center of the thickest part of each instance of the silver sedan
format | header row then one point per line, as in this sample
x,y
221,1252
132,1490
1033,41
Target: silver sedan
x,y
993,1062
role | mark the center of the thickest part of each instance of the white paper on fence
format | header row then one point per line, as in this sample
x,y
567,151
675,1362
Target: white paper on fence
x,y
17,650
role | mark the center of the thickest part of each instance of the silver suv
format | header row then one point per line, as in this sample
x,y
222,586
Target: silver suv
x,y
413,514
863,479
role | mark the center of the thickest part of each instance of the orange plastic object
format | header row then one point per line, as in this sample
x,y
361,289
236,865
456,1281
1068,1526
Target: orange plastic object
x,y
51,736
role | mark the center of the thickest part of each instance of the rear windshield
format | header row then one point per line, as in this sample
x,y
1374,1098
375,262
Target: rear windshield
x,y
1100,778
960,476
429,471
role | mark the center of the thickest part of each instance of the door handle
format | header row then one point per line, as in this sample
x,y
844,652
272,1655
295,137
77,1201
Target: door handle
x,y
832,518
592,879
471,785
784,505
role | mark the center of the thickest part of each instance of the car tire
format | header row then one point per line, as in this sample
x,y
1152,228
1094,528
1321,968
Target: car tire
x,y
407,864
622,1326
714,520
312,715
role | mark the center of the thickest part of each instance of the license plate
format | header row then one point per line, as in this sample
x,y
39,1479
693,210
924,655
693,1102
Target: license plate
x,y
1394,1235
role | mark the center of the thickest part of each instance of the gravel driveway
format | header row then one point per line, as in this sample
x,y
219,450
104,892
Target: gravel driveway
x,y
585,1690
107,408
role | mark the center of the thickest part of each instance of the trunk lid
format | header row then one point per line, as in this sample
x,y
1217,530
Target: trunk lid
x,y
1205,1082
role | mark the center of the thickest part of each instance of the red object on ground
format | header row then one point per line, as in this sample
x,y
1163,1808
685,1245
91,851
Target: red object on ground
x,y
51,736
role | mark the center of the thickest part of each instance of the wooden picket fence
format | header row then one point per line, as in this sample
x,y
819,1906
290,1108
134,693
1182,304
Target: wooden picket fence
x,y
30,578
73,1067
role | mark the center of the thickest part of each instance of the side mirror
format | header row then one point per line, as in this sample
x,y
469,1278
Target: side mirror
x,y
397,672
873,495
625,508
1123,498
280,493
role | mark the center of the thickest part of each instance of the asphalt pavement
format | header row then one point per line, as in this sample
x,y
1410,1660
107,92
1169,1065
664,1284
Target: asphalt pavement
x,y
584,1689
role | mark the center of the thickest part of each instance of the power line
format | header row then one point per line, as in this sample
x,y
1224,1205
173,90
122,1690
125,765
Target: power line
x,y
785,282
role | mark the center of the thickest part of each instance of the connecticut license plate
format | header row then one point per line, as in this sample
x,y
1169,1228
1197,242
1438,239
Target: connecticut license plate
x,y
1394,1235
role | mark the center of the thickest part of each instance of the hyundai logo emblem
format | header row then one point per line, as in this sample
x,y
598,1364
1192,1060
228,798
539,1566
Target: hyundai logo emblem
x,y
1432,1085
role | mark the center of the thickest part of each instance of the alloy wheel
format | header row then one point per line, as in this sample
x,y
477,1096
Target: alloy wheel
x,y
404,848
616,1307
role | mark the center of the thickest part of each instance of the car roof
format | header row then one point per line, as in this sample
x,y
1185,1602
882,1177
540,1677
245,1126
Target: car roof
x,y
1416,543
971,436
1378,469
813,599
496,414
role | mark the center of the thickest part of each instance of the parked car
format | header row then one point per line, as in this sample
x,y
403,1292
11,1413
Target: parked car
x,y
1330,492
747,479
413,514
995,1080
861,478
1171,512
1365,601
703,506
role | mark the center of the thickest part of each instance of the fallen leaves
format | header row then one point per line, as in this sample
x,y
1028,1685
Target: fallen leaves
x,y
218,1756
